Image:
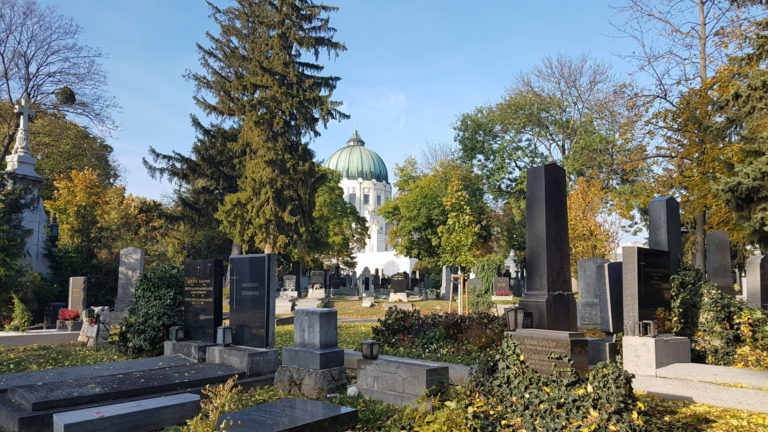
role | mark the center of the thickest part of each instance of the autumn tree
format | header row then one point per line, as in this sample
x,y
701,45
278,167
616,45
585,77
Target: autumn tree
x,y
261,70
679,46
459,236
419,210
40,55
591,232
96,220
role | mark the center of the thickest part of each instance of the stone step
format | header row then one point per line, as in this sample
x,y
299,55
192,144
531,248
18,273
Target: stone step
x,y
715,374
88,371
138,416
703,392
45,396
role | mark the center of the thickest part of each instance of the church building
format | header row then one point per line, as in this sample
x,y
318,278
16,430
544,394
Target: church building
x,y
365,182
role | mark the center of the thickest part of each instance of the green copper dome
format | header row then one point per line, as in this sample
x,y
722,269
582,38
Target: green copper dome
x,y
357,161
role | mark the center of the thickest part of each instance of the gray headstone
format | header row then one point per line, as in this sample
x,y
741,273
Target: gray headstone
x,y
719,269
645,285
664,229
757,281
317,277
591,284
500,284
548,293
78,289
611,303
289,283
131,266
537,345
445,282
315,328
474,285
292,415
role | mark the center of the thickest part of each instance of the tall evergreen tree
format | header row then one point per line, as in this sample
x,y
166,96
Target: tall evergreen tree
x,y
262,71
202,181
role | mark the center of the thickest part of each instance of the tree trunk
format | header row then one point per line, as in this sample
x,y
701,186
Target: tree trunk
x,y
701,219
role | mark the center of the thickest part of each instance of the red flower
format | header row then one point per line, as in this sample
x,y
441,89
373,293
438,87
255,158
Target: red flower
x,y
69,315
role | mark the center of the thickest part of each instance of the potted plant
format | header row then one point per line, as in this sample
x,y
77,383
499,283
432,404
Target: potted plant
x,y
69,320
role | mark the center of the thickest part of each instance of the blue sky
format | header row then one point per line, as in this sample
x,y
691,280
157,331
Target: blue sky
x,y
412,67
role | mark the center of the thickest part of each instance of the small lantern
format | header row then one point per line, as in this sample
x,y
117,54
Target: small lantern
x,y
515,316
224,335
370,349
176,333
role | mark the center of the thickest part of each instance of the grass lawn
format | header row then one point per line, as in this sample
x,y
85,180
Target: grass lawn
x,y
350,335
35,357
353,308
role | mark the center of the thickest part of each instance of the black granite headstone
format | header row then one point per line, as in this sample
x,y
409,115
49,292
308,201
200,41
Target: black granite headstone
x,y
664,229
646,286
291,415
500,284
253,280
719,269
317,277
548,292
335,280
591,284
611,304
202,299
398,283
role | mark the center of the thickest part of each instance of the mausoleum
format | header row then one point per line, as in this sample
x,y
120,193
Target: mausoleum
x,y
365,181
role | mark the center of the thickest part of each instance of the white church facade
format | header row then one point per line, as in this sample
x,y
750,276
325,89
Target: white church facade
x,y
365,182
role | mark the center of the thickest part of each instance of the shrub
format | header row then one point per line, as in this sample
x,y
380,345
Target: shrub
x,y
515,397
687,286
718,334
69,314
486,269
157,305
21,319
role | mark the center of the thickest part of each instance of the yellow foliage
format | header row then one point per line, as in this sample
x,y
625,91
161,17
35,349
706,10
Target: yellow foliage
x,y
591,232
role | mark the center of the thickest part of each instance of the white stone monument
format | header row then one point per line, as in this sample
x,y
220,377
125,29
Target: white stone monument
x,y
20,168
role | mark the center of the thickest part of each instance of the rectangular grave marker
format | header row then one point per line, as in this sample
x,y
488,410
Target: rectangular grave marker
x,y
611,303
317,277
253,289
591,283
719,268
500,284
131,266
757,281
664,229
646,286
78,288
537,345
203,281
292,415
398,283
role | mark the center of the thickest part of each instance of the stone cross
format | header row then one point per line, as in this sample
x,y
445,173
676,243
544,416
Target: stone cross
x,y
22,136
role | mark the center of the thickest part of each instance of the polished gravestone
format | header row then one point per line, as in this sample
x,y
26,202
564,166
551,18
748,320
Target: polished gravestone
x,y
538,345
78,288
719,269
548,292
253,282
591,284
317,277
756,294
501,284
664,229
294,415
611,303
398,283
202,299
645,284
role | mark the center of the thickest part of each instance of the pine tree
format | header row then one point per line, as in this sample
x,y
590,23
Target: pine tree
x,y
259,71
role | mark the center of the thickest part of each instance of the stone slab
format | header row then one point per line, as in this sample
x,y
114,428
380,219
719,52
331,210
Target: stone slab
x,y
601,350
645,284
294,415
414,378
643,355
591,284
89,371
312,383
458,374
537,345
719,269
757,281
252,361
664,229
703,393
36,397
715,374
308,358
192,350
131,266
38,338
78,288
138,416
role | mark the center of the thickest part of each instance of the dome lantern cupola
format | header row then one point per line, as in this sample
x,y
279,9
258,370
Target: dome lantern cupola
x,y
355,160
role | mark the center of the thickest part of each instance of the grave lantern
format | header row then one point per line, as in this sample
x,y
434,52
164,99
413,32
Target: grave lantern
x,y
224,335
370,349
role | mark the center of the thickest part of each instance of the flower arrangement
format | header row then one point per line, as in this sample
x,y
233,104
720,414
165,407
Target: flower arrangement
x,y
69,315
503,293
